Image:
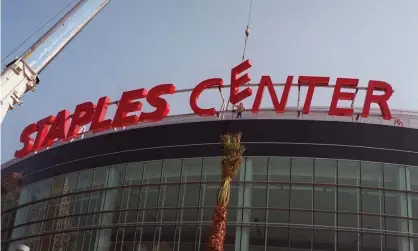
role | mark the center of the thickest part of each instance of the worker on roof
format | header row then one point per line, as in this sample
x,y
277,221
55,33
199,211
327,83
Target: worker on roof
x,y
240,108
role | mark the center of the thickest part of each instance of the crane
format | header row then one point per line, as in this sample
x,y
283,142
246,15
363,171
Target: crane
x,y
22,74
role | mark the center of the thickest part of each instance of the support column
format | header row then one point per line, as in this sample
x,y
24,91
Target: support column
x,y
242,235
404,209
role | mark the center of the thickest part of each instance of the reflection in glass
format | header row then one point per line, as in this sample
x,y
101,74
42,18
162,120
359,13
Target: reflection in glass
x,y
371,174
276,203
45,188
302,170
100,177
348,172
325,171
279,168
412,177
85,180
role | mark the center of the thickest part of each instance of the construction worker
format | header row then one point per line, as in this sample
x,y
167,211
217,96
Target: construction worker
x,y
240,109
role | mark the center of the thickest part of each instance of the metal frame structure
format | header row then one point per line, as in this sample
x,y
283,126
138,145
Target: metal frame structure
x,y
241,185
21,75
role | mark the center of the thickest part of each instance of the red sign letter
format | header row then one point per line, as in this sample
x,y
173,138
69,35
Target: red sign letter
x,y
236,96
126,106
83,115
312,82
59,128
278,106
194,96
338,95
381,100
161,104
43,127
26,140
99,124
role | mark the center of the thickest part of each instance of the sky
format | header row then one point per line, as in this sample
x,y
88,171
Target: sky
x,y
139,44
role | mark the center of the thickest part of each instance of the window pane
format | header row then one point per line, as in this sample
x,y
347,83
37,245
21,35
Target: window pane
x,y
348,172
258,195
324,219
300,239
301,217
372,201
348,241
257,233
72,181
324,198
85,180
302,170
192,169
20,215
325,171
397,224
24,195
412,177
397,243
395,202
301,197
209,193
277,237
372,222
134,173
258,167
100,177
278,216
172,170
171,195
233,197
279,169
394,176
57,185
371,174
414,205
348,199
46,188
211,169
34,191
349,220
278,196
371,242
324,240
258,217
116,175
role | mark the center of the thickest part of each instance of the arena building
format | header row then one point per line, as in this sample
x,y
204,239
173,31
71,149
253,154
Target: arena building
x,y
308,182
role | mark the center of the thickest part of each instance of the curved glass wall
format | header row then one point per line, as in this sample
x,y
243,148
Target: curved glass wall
x,y
277,203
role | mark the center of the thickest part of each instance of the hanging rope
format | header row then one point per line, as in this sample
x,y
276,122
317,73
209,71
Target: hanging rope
x,y
247,30
247,34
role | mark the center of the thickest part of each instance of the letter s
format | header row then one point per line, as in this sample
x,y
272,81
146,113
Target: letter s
x,y
27,141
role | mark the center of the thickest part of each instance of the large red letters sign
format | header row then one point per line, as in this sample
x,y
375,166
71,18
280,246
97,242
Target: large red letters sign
x,y
65,126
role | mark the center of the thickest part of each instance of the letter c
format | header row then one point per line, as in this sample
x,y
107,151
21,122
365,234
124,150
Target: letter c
x,y
212,82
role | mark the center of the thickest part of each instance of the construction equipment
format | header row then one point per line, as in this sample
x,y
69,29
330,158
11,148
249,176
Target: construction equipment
x,y
22,74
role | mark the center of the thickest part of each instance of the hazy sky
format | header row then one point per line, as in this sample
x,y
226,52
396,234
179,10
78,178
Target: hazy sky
x,y
134,44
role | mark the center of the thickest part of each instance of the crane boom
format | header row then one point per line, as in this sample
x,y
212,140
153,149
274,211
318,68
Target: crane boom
x,y
22,74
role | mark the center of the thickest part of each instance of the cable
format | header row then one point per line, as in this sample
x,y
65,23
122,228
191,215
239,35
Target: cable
x,y
247,30
247,33
33,34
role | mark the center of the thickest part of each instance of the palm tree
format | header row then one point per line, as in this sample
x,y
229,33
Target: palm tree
x,y
231,162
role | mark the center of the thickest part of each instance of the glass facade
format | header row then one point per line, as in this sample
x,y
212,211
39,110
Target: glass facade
x,y
277,203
